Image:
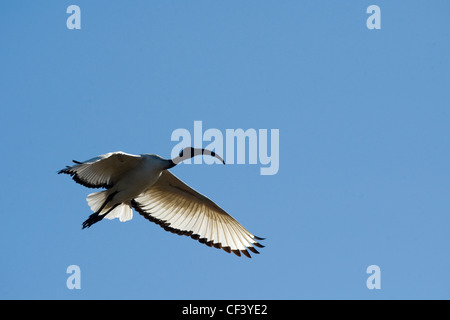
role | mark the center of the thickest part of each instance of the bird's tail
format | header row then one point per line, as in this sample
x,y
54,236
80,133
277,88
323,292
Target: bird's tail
x,y
122,211
97,200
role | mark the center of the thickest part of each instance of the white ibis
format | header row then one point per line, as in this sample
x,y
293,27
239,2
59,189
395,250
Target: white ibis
x,y
144,183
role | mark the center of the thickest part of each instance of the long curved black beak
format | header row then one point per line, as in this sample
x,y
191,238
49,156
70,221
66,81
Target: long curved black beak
x,y
191,152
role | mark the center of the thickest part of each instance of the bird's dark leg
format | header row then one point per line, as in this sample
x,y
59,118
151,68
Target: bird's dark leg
x,y
96,217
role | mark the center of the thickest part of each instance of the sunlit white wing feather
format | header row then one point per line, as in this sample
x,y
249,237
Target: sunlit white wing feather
x,y
180,209
102,171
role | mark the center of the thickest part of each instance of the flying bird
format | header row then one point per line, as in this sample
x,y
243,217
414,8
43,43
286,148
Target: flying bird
x,y
144,182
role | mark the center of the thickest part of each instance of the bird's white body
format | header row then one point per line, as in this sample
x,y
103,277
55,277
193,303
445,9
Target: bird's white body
x,y
136,175
143,182
138,179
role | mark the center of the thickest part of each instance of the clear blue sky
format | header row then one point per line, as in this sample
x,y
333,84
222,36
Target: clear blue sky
x,y
364,120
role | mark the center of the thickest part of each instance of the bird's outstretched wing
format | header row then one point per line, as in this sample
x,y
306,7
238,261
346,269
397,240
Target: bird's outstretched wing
x,y
102,171
179,209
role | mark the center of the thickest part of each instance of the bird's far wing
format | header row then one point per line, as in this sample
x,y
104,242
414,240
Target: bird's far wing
x,y
102,171
178,208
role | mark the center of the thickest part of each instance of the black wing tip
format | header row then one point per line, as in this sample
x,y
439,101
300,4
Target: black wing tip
x,y
227,249
252,249
237,252
245,253
66,170
257,244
